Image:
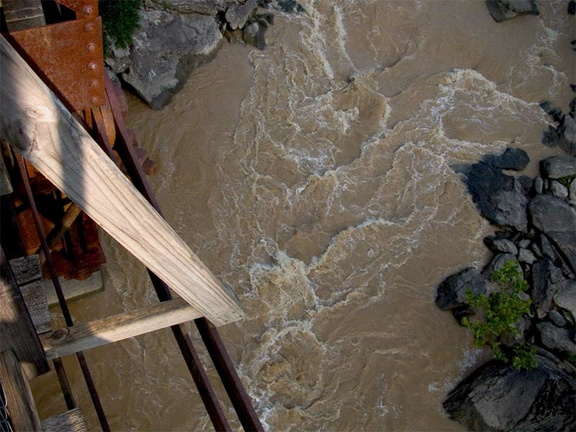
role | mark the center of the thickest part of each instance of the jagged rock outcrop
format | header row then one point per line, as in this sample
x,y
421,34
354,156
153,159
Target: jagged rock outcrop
x,y
176,36
165,49
497,398
502,10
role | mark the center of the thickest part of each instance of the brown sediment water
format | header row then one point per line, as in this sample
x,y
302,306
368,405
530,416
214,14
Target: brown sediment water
x,y
315,179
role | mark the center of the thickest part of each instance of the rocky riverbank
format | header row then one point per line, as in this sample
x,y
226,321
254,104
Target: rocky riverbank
x,y
176,36
538,221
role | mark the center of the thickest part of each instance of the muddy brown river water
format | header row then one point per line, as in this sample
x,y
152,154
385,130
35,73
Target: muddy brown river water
x,y
314,178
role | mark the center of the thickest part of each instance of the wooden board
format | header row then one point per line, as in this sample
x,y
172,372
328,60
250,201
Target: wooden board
x,y
34,295
82,337
17,332
26,269
70,421
38,126
19,400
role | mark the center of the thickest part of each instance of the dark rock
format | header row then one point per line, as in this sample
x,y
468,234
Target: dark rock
x,y
166,48
557,339
557,318
536,250
547,248
558,190
558,166
499,197
526,256
119,61
572,192
565,296
451,292
498,244
550,137
567,134
499,398
512,159
542,293
289,6
557,219
497,262
572,7
237,15
524,243
502,10
526,182
538,185
255,34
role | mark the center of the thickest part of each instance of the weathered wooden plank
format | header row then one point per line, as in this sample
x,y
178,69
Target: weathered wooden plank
x,y
38,126
117,327
28,275
70,421
23,14
19,400
17,332
26,269
34,295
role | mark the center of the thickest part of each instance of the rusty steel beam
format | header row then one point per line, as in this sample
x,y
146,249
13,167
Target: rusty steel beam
x,y
224,366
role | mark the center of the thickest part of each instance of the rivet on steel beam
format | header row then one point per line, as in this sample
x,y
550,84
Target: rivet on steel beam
x,y
89,27
94,100
87,10
91,46
94,83
92,66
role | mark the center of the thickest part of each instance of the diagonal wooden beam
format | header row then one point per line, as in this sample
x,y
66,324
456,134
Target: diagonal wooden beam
x,y
44,132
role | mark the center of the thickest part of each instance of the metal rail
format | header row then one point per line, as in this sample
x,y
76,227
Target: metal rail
x,y
220,357
63,305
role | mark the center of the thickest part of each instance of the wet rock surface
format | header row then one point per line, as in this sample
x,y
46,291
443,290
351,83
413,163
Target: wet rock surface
x,y
177,36
498,397
502,10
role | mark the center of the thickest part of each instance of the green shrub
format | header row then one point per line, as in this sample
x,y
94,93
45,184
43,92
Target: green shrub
x,y
119,20
501,313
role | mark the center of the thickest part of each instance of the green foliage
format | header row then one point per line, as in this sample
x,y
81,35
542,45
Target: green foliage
x,y
501,312
120,20
566,180
523,357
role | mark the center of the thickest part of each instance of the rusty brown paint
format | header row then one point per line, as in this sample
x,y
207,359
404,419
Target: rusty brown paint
x,y
69,58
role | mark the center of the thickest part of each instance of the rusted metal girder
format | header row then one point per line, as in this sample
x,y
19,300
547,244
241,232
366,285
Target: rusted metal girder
x,y
68,56
232,383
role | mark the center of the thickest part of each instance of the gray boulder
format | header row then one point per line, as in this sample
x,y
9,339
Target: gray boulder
x,y
502,10
166,48
558,166
567,134
499,198
499,398
556,338
557,219
451,293
542,291
237,15
498,244
565,296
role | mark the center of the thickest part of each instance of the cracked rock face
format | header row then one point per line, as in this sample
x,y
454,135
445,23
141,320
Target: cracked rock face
x,y
165,49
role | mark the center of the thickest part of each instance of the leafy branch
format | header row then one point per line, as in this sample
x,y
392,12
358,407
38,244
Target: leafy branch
x,y
501,313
